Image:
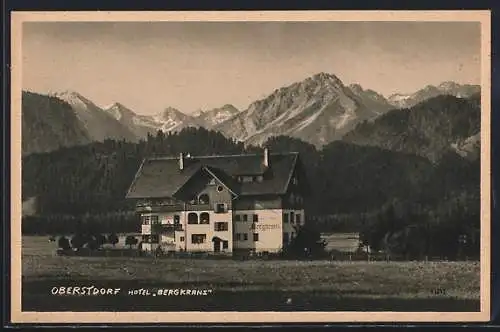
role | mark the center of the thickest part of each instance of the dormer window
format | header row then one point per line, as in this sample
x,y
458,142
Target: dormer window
x,y
203,199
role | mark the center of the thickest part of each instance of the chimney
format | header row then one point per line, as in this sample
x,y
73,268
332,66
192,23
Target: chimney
x,y
266,157
181,161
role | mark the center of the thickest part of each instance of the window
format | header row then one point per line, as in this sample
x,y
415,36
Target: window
x,y
204,199
237,236
255,237
292,235
285,218
220,188
198,238
146,220
297,218
221,226
245,237
292,219
237,217
192,218
245,217
154,220
177,219
155,238
204,218
225,244
255,218
181,239
145,238
220,208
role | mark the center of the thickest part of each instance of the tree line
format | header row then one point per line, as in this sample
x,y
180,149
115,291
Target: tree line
x,y
355,188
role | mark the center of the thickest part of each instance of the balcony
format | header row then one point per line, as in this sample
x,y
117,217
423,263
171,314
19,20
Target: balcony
x,y
199,207
162,228
159,207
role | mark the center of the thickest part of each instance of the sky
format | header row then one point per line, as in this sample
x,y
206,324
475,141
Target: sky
x,y
148,66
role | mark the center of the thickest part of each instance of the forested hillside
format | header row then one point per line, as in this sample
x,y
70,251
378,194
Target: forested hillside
x,y
49,123
428,129
354,186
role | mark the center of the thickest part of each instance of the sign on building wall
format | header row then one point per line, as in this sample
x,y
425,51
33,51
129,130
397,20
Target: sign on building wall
x,y
263,227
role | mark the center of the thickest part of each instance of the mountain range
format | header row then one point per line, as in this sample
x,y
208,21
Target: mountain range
x,y
445,88
317,110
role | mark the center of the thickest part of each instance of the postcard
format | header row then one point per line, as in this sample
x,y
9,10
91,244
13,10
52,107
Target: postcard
x,y
250,167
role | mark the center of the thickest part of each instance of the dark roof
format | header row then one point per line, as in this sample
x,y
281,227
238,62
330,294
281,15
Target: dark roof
x,y
161,177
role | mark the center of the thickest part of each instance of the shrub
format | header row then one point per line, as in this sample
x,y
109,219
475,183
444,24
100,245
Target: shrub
x,y
131,241
306,244
78,241
63,243
113,239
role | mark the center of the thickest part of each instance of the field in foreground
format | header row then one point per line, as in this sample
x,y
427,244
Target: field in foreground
x,y
245,285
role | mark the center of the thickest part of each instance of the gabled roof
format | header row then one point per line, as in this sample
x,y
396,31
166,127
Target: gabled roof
x,y
231,184
161,177
219,175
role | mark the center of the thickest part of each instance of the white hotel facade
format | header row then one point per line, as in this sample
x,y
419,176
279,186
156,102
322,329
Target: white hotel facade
x,y
220,204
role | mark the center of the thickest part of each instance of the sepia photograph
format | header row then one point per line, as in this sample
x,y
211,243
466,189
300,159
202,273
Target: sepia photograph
x,y
250,166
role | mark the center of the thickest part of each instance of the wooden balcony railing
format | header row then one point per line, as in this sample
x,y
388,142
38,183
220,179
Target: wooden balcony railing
x,y
169,228
161,228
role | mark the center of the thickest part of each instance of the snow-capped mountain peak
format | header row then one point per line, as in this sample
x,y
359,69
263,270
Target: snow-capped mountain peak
x,y
327,78
99,123
317,109
430,91
119,111
198,113
171,119
215,116
169,113
74,98
356,88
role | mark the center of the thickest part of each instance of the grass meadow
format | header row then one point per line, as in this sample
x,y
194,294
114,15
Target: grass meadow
x,y
250,285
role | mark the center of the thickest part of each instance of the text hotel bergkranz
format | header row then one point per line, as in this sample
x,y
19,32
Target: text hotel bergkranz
x,y
96,291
